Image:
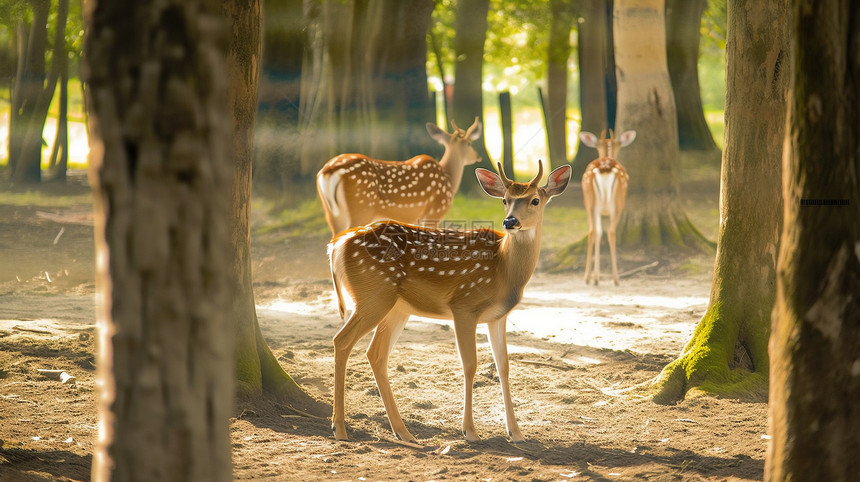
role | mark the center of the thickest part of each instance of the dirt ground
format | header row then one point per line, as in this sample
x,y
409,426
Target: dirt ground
x,y
575,349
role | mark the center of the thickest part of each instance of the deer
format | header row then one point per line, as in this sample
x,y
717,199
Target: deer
x,y
356,189
604,192
391,270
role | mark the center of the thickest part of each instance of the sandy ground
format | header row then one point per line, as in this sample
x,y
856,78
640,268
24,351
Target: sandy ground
x,y
575,350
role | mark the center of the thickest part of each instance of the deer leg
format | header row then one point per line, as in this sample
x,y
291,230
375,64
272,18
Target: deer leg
x,y
611,238
464,330
360,322
377,353
598,233
499,344
589,253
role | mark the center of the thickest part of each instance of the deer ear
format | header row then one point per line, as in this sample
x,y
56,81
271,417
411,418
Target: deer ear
x,y
588,138
627,138
490,182
438,134
557,181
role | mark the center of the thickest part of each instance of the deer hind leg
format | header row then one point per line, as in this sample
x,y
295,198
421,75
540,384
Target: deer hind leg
x,y
598,233
364,319
589,246
610,235
499,344
377,353
464,329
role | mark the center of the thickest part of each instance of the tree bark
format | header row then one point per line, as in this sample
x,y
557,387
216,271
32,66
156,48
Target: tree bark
x,y
165,374
257,369
59,160
815,372
467,101
596,68
727,354
683,30
654,217
561,22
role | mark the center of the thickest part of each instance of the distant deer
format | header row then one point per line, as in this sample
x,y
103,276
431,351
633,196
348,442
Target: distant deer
x,y
356,189
392,270
604,190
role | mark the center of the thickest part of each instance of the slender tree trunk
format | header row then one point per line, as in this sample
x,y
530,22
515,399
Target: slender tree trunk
x,y
467,101
654,217
59,160
559,52
596,65
683,30
727,354
815,372
165,374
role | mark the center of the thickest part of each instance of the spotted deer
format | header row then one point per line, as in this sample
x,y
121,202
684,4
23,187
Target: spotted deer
x,y
604,191
391,270
356,189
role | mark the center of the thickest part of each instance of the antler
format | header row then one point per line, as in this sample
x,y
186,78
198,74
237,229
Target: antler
x,y
454,126
536,180
507,182
472,128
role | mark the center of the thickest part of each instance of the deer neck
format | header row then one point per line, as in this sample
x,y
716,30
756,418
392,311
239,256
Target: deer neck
x,y
453,167
519,252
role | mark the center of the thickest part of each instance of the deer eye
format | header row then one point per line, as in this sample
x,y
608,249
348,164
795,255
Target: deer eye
x,y
535,201
504,201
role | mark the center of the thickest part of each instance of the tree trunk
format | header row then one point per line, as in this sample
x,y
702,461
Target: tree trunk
x,y
596,66
31,98
654,217
467,102
59,161
558,54
165,372
397,71
257,369
727,354
683,30
815,372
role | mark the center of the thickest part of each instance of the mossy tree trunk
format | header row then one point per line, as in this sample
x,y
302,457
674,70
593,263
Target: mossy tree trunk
x,y
257,369
815,370
727,354
596,75
165,355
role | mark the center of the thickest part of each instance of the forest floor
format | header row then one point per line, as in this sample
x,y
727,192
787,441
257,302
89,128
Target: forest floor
x,y
575,350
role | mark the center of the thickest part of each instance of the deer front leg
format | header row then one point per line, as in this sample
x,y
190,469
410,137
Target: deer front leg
x,y
499,344
377,353
465,333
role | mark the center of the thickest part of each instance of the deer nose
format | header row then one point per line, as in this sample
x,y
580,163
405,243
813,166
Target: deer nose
x,y
510,222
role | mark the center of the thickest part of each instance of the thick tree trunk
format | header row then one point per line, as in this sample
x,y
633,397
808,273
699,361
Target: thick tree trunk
x,y
559,53
397,63
596,70
164,370
815,372
257,369
727,354
467,101
683,30
654,217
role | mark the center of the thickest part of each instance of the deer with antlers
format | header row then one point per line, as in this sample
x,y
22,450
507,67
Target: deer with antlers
x,y
604,192
392,270
356,189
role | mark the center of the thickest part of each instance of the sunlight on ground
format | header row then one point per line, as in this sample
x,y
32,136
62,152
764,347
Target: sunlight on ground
x,y
581,315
